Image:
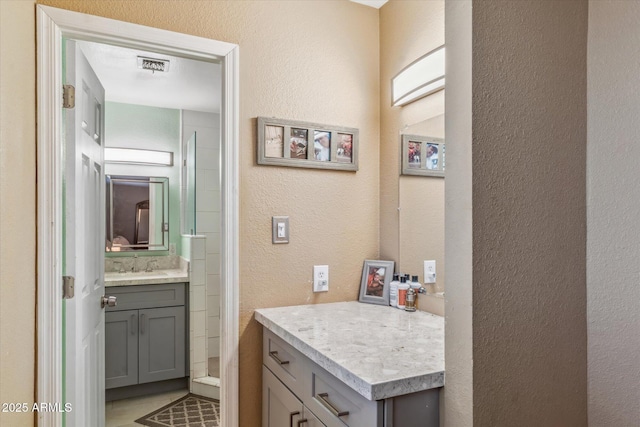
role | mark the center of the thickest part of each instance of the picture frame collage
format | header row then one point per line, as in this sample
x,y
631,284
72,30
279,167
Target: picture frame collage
x,y
423,156
291,143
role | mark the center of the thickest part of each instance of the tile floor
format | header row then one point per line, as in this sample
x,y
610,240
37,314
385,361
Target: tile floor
x,y
122,413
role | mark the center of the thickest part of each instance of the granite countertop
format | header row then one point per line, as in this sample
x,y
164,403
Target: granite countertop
x,y
146,278
378,351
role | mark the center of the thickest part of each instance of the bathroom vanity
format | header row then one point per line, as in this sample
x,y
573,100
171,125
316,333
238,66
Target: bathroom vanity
x,y
146,333
351,364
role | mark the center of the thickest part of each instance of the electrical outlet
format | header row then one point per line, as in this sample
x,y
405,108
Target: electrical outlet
x,y
430,271
320,278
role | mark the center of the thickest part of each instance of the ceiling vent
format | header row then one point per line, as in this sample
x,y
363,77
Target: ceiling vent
x,y
154,65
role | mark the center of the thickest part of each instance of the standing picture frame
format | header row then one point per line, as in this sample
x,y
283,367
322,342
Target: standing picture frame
x,y
297,144
376,277
422,156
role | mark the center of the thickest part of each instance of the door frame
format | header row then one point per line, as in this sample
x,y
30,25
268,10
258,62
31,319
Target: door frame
x,y
52,24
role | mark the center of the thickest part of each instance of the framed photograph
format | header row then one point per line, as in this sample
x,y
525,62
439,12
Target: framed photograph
x,y
422,155
298,143
306,145
376,276
274,141
322,145
345,148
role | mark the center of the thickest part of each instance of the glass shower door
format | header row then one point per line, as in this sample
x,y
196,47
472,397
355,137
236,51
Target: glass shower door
x,y
189,186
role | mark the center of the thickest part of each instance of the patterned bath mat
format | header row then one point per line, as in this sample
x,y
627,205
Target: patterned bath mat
x,y
189,411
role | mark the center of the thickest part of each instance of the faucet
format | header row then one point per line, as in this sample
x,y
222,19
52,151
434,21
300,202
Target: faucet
x,y
150,264
117,266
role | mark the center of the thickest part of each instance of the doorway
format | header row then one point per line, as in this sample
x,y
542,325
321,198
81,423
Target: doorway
x,y
53,25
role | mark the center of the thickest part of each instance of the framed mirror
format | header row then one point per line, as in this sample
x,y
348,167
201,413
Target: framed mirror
x,y
137,213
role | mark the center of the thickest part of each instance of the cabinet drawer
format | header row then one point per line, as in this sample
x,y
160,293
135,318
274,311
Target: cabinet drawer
x,y
336,404
284,361
147,296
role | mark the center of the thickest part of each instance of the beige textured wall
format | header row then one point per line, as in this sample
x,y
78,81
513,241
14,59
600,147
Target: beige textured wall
x,y
313,61
17,208
408,30
529,213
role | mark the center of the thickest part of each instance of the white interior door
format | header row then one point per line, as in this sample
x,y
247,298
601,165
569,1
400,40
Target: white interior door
x,y
84,242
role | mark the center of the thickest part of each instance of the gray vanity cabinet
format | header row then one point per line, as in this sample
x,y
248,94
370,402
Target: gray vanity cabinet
x,y
161,347
121,348
145,335
296,392
280,407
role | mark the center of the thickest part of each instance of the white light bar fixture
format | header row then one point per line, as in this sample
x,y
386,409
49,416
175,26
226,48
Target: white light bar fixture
x,y
138,157
422,77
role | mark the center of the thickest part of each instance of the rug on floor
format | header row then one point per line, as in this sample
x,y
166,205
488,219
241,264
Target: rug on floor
x,y
189,411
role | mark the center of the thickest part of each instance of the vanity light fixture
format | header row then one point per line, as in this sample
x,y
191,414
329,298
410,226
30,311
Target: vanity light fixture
x,y
421,78
138,157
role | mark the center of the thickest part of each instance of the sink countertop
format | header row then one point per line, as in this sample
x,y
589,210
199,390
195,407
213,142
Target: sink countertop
x,y
146,278
378,351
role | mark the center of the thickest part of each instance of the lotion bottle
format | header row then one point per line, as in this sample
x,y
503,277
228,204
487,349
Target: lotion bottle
x,y
393,291
402,292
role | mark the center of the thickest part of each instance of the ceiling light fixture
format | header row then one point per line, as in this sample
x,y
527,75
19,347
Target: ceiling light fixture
x,y
152,64
138,157
421,78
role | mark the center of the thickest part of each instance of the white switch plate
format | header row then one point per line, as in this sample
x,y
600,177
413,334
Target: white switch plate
x,y
320,278
430,271
280,229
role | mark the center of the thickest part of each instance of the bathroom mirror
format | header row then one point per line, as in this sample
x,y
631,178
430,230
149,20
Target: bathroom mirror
x,y
421,211
137,213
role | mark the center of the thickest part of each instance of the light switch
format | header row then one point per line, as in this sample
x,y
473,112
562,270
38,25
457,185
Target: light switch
x,y
280,229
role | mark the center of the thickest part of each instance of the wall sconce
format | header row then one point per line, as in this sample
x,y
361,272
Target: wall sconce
x,y
138,157
421,78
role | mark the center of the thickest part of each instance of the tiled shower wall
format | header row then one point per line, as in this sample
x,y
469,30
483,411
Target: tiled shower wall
x,y
208,200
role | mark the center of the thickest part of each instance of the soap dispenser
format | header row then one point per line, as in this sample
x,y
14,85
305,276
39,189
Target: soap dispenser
x,y
410,303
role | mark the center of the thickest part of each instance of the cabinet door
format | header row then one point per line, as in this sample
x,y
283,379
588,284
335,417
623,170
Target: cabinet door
x,y
162,344
280,407
121,348
309,420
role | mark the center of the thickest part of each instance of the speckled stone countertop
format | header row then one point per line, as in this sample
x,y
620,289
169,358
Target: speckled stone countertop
x,y
143,278
376,350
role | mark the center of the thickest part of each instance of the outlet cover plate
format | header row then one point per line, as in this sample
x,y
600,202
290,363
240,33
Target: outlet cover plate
x,y
430,271
320,278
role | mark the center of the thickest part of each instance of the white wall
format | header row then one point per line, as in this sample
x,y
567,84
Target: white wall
x,y
613,213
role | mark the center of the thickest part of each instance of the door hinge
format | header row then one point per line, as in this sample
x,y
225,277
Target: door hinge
x,y
68,287
68,96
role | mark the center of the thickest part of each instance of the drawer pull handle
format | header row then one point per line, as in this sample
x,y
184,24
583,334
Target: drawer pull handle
x,y
302,421
323,398
142,325
291,415
274,356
